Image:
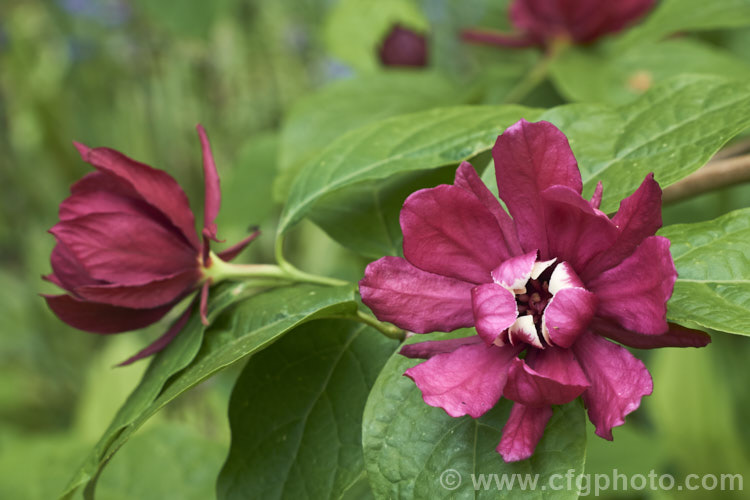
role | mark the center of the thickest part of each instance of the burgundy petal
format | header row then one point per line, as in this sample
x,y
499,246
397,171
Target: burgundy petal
x,y
618,382
568,315
635,293
102,318
676,336
639,217
212,198
575,231
547,377
155,187
467,381
523,431
529,158
230,253
541,19
141,296
583,21
68,272
494,310
414,299
448,231
467,178
100,192
124,248
163,341
426,350
515,272
91,201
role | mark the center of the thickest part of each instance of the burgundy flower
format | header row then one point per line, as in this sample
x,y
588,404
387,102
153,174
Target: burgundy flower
x,y
539,22
127,249
403,47
551,280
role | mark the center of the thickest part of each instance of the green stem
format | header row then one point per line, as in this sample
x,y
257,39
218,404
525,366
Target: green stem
x,y
538,72
299,275
268,273
390,331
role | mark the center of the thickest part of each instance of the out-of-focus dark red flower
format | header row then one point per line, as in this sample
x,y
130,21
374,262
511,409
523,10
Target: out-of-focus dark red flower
x,y
404,47
127,249
540,22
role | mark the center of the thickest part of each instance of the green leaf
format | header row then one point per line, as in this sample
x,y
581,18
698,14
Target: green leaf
x,y
355,28
692,411
296,414
168,460
600,76
410,446
672,16
253,325
713,266
407,143
176,356
246,199
364,217
672,130
321,117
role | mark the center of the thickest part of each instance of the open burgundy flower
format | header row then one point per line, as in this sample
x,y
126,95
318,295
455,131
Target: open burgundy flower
x,y
127,249
551,279
539,22
403,47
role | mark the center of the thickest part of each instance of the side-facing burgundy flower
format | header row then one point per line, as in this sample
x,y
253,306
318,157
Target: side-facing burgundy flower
x,y
403,47
539,22
127,249
549,281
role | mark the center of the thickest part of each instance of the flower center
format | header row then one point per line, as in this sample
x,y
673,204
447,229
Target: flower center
x,y
534,301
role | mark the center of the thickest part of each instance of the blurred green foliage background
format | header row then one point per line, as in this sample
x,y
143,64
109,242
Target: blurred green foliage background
x,y
137,75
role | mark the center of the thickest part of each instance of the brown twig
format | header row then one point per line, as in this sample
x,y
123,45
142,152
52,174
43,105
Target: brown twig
x,y
714,175
733,149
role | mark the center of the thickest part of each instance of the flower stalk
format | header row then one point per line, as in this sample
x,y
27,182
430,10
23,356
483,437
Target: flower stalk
x,y
220,270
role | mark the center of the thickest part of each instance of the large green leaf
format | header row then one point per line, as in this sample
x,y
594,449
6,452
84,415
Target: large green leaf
x,y
296,413
672,16
600,76
178,354
672,130
343,106
406,143
413,450
713,266
253,325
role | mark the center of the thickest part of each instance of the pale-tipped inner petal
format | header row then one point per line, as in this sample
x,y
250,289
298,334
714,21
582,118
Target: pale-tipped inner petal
x,y
514,273
524,330
563,277
540,267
